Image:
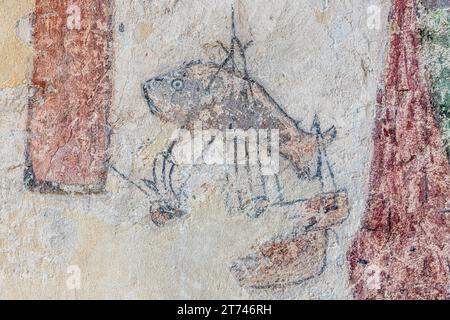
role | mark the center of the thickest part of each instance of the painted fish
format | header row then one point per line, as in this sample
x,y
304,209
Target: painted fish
x,y
223,97
298,255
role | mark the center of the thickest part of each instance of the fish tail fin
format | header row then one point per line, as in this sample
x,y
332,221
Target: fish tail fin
x,y
324,167
326,137
329,136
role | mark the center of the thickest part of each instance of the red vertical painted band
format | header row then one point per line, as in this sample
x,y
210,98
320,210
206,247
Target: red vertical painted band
x,y
403,248
67,129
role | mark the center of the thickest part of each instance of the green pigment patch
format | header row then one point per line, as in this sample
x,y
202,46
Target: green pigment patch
x,y
435,25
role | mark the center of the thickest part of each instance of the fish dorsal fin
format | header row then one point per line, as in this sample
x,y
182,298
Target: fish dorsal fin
x,y
236,58
235,54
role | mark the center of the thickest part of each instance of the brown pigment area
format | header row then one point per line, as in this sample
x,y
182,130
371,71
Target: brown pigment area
x,y
296,256
72,91
405,235
283,262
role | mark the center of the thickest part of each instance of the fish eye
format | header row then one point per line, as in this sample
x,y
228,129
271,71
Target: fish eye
x,y
177,84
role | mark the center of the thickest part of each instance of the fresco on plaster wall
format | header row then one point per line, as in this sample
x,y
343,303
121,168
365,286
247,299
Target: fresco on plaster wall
x,y
224,97
402,250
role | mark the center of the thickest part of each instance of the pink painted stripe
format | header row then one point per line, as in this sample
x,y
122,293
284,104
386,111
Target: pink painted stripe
x,y
403,249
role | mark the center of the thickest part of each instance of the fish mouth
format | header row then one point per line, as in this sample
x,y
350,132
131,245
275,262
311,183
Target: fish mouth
x,y
150,103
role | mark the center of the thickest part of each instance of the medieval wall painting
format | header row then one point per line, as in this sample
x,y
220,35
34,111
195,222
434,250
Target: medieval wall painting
x,y
170,149
405,234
